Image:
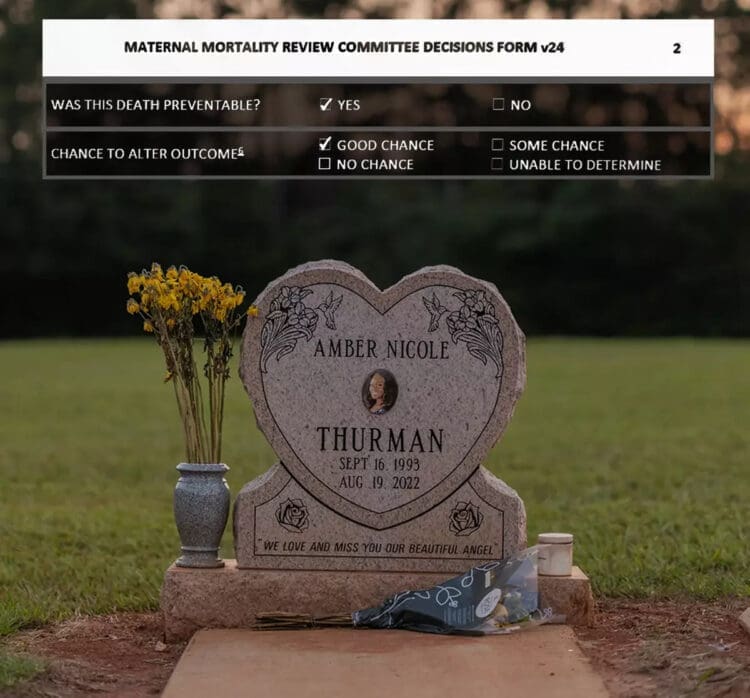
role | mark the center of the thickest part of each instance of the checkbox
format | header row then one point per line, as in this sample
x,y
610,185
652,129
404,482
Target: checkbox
x,y
498,144
496,164
325,103
325,143
324,164
498,104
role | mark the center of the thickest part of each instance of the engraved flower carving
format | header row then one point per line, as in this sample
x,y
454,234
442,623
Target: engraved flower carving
x,y
473,323
290,297
465,518
303,317
289,320
476,301
463,320
292,515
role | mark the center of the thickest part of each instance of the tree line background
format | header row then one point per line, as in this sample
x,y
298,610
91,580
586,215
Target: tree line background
x,y
577,257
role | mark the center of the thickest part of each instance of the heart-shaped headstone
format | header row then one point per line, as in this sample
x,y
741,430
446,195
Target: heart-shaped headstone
x,y
382,403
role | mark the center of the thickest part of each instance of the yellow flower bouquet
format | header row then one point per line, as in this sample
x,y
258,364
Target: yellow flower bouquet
x,y
178,307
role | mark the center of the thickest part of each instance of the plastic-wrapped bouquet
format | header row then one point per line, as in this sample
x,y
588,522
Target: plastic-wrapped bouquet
x,y
495,598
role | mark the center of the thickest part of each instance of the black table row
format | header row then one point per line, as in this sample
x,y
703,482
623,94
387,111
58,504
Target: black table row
x,y
446,105
377,154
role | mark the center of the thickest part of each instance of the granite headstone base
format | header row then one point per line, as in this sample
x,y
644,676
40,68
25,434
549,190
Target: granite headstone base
x,y
278,525
193,599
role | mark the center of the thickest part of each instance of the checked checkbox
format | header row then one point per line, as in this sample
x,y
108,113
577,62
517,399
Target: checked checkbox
x,y
325,143
325,103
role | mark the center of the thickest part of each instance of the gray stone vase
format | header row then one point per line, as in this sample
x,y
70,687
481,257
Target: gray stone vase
x,y
201,509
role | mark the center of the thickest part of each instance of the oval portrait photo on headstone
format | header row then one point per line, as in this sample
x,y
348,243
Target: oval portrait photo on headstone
x,y
380,391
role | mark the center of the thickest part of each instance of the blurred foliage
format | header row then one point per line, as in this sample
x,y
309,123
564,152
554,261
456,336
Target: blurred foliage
x,y
578,257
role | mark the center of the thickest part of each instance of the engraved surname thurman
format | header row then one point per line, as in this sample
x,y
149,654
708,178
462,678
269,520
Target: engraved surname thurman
x,y
380,440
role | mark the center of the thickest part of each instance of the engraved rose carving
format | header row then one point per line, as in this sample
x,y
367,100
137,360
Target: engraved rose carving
x,y
292,515
465,519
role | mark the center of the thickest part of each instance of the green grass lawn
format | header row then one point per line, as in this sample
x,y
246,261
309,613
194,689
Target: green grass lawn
x,y
641,448
15,668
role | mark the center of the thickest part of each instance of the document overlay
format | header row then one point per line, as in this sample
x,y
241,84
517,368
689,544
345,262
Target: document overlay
x,y
378,99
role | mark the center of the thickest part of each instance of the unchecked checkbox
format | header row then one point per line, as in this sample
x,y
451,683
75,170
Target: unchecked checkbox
x,y
325,103
325,143
324,164
496,164
498,144
498,104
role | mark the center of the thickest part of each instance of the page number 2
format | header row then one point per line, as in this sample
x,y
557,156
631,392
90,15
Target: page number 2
x,y
676,48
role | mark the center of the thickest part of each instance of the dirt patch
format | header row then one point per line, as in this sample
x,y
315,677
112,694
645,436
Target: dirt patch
x,y
663,648
642,648
118,655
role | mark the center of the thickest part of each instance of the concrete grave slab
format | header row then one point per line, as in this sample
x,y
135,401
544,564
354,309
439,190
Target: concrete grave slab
x,y
542,662
745,619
